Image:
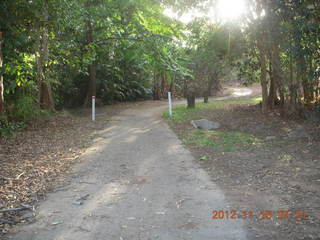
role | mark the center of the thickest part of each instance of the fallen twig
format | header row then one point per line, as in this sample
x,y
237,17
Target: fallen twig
x,y
17,178
10,180
24,207
85,197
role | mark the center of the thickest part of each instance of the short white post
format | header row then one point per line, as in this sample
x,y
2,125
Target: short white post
x,y
170,103
93,108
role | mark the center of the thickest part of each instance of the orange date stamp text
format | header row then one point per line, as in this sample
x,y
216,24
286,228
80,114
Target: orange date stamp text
x,y
298,215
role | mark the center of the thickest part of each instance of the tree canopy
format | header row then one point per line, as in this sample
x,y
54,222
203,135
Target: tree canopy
x,y
60,53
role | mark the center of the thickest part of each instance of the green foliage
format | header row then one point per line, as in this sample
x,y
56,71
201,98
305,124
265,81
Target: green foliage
x,y
211,49
24,109
287,37
131,39
249,66
138,52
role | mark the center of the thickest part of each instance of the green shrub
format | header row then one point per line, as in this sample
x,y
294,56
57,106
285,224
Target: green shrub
x,y
24,109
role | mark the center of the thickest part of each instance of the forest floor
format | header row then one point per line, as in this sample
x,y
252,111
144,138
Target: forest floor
x,y
268,167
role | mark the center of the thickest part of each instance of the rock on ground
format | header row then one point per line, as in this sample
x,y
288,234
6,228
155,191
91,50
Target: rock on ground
x,y
205,124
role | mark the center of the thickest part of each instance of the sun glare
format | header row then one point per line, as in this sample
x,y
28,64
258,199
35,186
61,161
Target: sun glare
x,y
230,9
224,10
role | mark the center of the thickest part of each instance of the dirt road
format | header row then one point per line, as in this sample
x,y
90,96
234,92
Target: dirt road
x,y
136,182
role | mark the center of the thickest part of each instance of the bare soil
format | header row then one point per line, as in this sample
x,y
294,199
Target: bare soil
x,y
280,172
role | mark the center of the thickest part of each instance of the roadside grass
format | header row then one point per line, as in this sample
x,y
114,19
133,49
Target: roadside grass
x,y
226,141
182,113
219,140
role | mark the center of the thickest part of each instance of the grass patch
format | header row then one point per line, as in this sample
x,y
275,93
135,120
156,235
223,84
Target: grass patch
x,y
222,141
226,141
182,113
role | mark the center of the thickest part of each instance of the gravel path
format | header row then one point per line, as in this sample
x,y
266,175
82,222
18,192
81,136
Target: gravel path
x,y
137,182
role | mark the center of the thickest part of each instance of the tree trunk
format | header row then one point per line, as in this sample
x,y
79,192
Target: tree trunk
x,y
317,93
206,95
263,76
210,85
164,84
272,98
278,73
46,99
171,88
92,67
92,83
42,58
156,88
191,100
1,79
261,45
308,86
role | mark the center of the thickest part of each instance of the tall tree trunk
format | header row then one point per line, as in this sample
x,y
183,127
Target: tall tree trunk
x,y
261,45
191,93
42,58
92,90
46,98
308,85
206,98
316,94
164,84
1,78
263,75
191,100
277,71
92,83
156,88
206,87
171,87
272,98
210,85
295,84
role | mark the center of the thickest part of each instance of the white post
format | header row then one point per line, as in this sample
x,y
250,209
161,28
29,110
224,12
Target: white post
x,y
170,103
93,108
